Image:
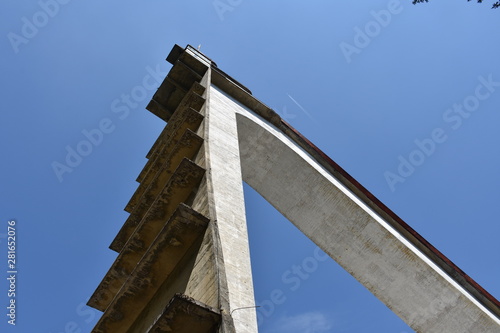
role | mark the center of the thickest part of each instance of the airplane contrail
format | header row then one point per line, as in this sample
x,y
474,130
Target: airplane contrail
x,y
300,106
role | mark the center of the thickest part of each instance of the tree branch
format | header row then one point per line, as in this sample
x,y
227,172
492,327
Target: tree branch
x,y
495,5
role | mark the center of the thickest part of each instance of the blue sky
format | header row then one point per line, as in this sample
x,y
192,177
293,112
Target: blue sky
x,y
405,98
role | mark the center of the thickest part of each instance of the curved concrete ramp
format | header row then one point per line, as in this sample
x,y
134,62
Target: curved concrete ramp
x,y
354,235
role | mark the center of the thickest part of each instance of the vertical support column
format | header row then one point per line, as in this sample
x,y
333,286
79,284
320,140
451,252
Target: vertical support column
x,y
228,213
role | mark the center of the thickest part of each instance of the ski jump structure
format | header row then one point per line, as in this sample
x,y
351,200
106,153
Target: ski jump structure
x,y
183,261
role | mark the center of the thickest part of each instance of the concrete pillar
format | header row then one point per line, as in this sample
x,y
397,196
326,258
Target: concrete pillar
x,y
226,193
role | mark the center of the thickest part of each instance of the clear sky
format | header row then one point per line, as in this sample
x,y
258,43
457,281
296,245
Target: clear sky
x,y
405,98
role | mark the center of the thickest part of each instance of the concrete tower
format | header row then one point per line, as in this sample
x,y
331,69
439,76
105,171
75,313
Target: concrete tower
x,y
183,261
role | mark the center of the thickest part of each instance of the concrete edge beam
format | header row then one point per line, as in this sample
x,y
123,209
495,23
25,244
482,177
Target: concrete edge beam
x,y
185,179
197,63
187,176
173,241
195,59
230,87
165,101
184,75
166,98
193,102
161,171
192,99
162,111
169,92
186,315
186,118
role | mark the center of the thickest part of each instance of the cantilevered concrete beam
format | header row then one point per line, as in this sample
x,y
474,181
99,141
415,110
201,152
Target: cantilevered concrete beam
x,y
173,242
186,315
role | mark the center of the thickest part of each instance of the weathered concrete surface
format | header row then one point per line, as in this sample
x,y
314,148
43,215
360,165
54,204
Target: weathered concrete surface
x,y
185,118
180,185
192,100
186,315
226,192
170,96
163,168
175,239
351,233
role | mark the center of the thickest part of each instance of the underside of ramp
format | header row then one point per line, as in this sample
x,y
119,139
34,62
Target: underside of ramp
x,y
183,262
